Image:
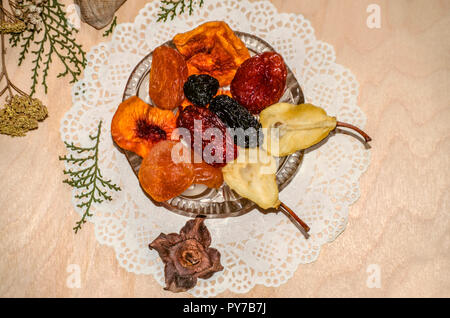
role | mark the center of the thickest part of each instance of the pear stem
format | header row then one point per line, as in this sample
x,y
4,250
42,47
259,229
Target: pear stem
x,y
359,131
284,207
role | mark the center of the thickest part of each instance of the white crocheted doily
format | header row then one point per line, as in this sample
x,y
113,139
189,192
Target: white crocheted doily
x,y
256,248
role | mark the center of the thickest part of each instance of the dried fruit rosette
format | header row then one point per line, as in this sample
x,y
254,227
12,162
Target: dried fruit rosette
x,y
212,48
137,126
187,256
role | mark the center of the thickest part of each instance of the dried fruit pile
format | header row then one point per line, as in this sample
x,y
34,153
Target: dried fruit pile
x,y
193,109
194,130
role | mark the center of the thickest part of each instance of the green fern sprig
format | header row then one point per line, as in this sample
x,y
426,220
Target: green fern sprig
x,y
88,178
55,39
172,8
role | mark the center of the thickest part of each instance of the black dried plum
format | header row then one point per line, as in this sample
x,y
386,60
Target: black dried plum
x,y
247,129
200,89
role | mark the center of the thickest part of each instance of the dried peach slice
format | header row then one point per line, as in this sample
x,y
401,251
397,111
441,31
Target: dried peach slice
x,y
137,126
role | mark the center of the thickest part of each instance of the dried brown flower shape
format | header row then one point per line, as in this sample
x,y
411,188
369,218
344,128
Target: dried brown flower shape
x,y
187,256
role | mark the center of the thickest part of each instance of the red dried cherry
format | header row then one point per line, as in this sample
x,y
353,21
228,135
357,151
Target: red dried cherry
x,y
215,141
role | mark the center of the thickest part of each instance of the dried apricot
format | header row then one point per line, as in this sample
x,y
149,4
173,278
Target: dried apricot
x,y
137,126
167,76
212,48
163,173
260,81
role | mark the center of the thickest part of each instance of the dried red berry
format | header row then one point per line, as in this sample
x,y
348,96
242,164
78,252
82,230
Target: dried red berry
x,y
206,131
260,81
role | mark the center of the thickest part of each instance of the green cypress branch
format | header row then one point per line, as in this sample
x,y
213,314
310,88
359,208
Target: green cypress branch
x,y
88,178
172,8
111,27
56,38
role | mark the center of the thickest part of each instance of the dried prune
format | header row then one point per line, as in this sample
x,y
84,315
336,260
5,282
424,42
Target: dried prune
x,y
221,91
208,136
212,48
167,76
200,89
260,81
162,175
236,116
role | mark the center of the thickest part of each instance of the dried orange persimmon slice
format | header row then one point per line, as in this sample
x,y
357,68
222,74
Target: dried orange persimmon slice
x,y
163,174
137,126
212,48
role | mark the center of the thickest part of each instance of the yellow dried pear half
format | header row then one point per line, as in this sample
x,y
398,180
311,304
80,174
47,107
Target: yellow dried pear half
x,y
252,175
294,127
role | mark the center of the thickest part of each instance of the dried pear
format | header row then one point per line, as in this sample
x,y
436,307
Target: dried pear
x,y
294,127
252,175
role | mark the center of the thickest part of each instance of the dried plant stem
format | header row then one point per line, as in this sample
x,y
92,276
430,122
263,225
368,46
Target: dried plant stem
x,y
285,208
359,131
4,72
7,13
50,37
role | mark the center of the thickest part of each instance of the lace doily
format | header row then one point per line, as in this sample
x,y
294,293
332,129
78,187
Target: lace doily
x,y
256,248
